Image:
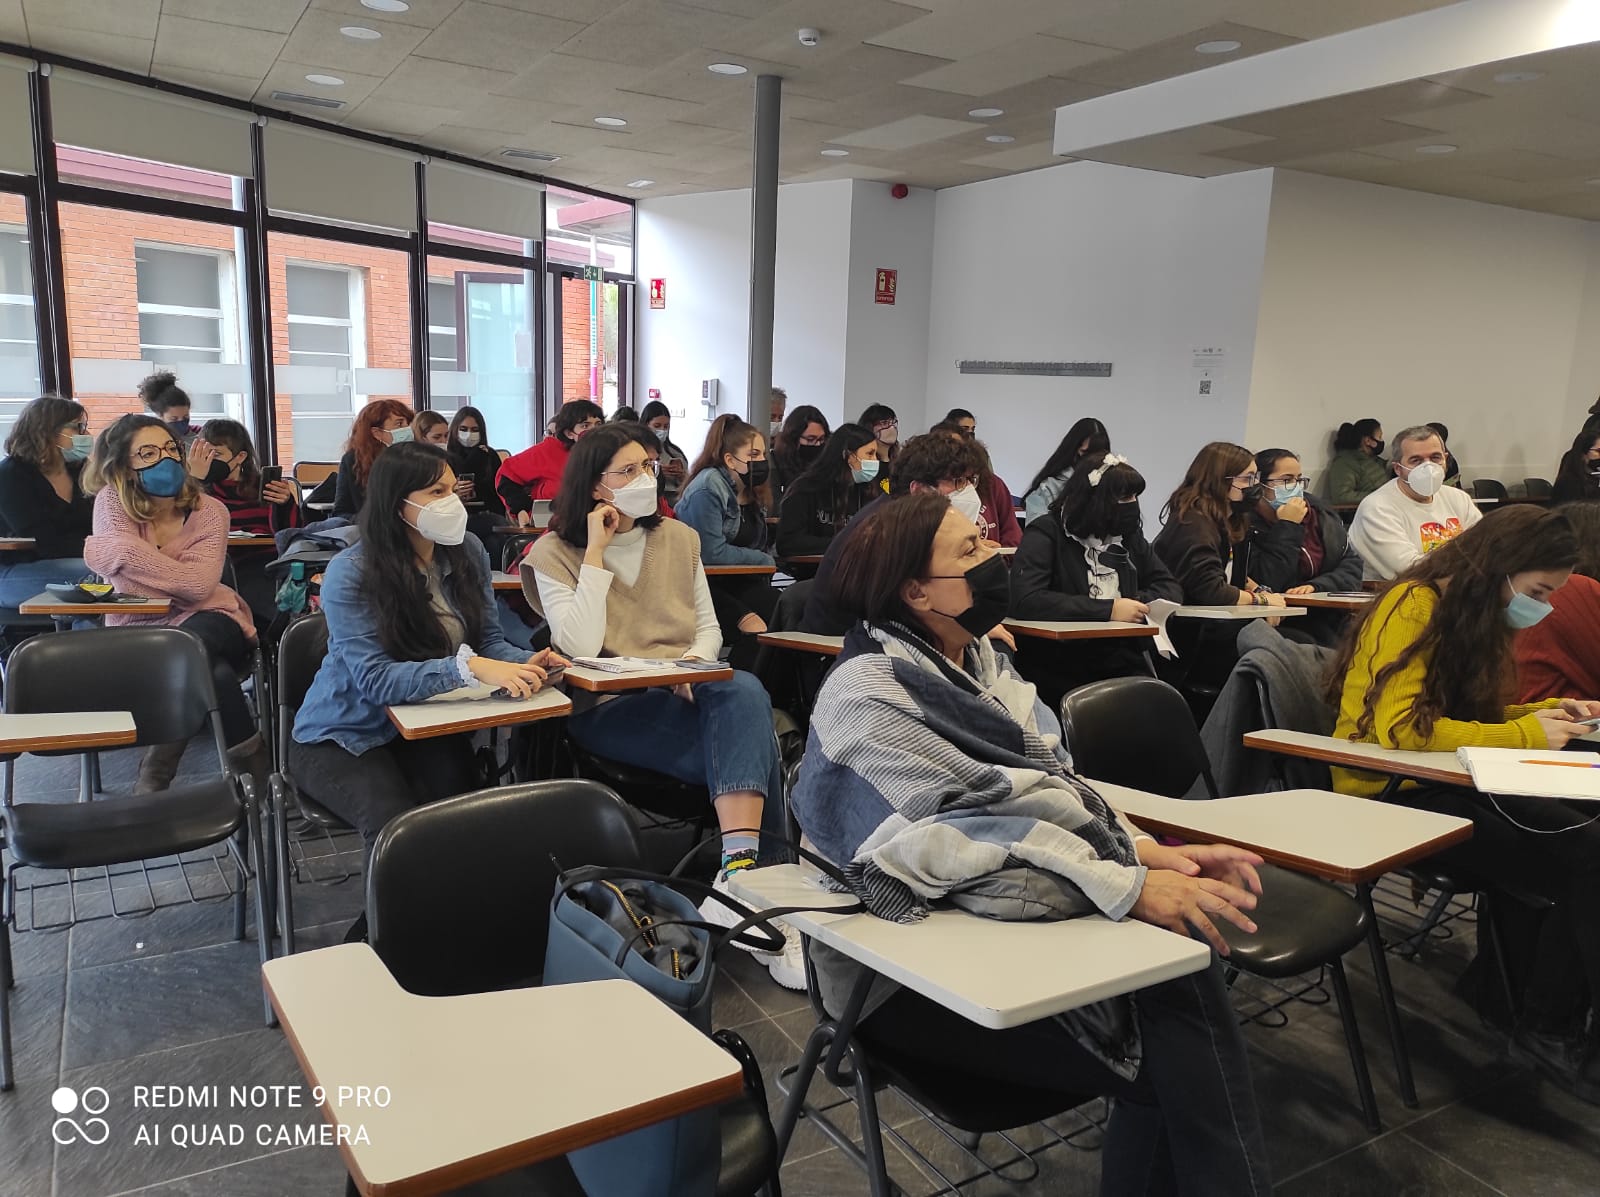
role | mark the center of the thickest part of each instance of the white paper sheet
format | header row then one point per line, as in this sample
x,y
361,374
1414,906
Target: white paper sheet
x,y
1536,773
1160,611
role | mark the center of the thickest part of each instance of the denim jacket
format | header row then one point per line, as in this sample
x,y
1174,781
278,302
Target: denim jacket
x,y
358,680
710,506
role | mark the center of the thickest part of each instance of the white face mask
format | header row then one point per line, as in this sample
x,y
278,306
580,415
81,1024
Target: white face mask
x,y
1426,479
468,438
443,521
967,502
637,500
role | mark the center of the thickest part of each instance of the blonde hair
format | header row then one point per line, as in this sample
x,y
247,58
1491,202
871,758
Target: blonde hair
x,y
110,465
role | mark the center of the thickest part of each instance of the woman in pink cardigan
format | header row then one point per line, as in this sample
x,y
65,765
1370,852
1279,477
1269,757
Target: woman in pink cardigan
x,y
157,534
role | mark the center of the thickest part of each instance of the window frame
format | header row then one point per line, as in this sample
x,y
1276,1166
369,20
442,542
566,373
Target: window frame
x,y
229,348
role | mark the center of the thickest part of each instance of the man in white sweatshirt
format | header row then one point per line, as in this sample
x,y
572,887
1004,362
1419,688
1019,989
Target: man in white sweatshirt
x,y
1413,513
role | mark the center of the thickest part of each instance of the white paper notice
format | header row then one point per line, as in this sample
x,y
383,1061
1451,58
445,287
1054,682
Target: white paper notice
x,y
1160,611
1207,370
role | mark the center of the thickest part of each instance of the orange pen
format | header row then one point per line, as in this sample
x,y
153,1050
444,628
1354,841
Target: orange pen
x,y
1563,764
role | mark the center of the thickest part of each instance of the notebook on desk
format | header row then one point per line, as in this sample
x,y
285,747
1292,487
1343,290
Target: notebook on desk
x,y
1536,773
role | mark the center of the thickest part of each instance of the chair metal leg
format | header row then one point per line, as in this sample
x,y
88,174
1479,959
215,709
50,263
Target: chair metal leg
x,y
1352,1041
7,980
280,839
1391,1012
262,874
85,778
98,781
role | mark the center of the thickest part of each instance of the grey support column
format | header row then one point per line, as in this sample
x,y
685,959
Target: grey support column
x,y
763,243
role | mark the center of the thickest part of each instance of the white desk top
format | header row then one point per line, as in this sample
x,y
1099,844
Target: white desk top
x,y
1319,832
1078,629
50,604
501,580
997,974
471,708
482,1084
813,642
66,730
600,680
1441,767
1227,612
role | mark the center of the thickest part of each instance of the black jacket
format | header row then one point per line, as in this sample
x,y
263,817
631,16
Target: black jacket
x,y
29,506
1050,575
350,495
806,522
481,464
1196,551
1277,562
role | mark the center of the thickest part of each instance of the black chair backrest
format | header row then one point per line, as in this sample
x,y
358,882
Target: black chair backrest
x,y
1488,488
300,651
791,606
513,547
160,674
1539,488
1136,732
458,891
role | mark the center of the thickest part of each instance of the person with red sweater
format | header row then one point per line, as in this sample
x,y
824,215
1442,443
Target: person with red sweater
x,y
157,534
1559,657
234,480
536,473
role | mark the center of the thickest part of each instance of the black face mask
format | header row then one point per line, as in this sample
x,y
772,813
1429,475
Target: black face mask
x,y
1126,522
990,584
217,472
806,454
1252,496
758,473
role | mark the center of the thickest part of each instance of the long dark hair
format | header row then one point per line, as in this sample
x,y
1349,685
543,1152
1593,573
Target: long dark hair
x,y
1066,455
235,438
727,435
891,546
408,629
786,445
1585,520
1467,641
458,453
1575,467
590,457
830,474
1085,509
654,410
1350,436
1204,489
877,413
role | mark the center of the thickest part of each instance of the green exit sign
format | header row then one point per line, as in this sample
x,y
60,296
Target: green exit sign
x,y
593,274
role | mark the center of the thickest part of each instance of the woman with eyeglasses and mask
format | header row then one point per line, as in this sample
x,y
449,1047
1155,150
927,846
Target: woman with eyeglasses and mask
x,y
657,417
613,578
535,473
880,420
381,423
836,486
41,497
1204,539
234,479
1578,475
1086,558
1429,667
156,533
797,446
1299,545
933,774
410,611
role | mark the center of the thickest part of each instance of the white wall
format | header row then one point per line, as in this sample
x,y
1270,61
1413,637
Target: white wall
x,y
886,345
1412,307
1088,262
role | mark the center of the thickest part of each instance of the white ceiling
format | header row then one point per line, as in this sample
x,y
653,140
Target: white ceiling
x,y
892,82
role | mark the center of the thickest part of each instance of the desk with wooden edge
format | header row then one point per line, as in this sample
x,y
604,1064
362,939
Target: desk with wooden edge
x,y
16,544
601,681
482,1084
252,541
1228,611
800,559
1437,768
1072,629
803,642
471,709
733,571
502,581
67,731
64,612
1325,601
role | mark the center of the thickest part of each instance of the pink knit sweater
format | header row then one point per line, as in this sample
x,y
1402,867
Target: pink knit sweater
x,y
187,569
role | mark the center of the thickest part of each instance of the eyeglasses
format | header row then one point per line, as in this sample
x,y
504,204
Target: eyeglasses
x,y
1244,480
630,472
813,441
1289,480
148,455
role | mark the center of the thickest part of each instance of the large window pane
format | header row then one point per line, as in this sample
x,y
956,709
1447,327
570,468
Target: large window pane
x,y
341,336
586,343
19,351
147,293
582,230
480,346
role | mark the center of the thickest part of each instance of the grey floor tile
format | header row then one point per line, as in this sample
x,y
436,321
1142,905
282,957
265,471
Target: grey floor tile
x,y
179,927
305,1170
36,1017
756,981
123,1163
140,1006
1391,1165
1304,1119
832,1174
732,1007
38,953
27,1153
315,904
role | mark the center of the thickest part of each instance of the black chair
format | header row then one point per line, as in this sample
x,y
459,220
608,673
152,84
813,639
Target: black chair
x,y
512,548
1539,488
458,896
1303,923
163,677
1488,488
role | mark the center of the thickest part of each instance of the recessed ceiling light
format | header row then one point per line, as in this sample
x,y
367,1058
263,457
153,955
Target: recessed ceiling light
x,y
985,113
1439,148
360,33
1000,138
325,80
386,5
1225,46
642,183
1518,76
835,153
728,68
610,122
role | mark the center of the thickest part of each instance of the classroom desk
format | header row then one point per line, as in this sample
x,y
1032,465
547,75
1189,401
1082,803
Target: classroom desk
x,y
501,580
252,542
470,710
64,613
482,1084
804,642
599,681
802,559
733,571
1090,629
1325,601
1225,611
1438,768
16,544
68,731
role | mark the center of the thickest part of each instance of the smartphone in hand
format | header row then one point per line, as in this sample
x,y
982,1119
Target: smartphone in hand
x,y
269,475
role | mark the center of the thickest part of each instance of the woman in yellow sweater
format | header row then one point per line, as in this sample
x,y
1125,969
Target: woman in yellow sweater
x,y
1430,668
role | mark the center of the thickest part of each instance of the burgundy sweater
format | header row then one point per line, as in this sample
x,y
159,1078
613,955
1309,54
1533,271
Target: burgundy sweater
x,y
1559,657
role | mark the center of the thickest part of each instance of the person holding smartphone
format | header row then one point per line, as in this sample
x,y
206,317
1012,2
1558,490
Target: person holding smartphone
x,y
260,503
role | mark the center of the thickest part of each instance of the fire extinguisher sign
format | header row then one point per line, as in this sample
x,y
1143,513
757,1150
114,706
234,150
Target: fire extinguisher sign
x,y
658,293
884,287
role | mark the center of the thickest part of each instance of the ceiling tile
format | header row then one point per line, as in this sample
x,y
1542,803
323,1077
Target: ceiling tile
x,y
317,39
844,25
12,26
291,76
642,32
425,14
129,53
490,36
1131,26
686,78
201,45
1019,157
560,79
912,131
1418,97
239,87
582,11
843,171
399,117
1317,18
1359,133
1176,56
1004,66
276,16
508,115
436,84
962,30
126,18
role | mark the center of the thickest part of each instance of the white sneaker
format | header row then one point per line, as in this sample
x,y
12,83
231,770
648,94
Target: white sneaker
x,y
787,967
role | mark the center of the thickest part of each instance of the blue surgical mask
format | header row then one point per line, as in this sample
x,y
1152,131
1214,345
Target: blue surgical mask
x,y
164,479
180,429
82,445
1283,494
399,436
1523,611
866,471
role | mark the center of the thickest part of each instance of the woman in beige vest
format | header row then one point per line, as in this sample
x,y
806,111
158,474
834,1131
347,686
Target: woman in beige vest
x,y
613,578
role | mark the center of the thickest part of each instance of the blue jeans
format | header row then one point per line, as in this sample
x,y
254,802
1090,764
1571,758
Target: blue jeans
x,y
722,740
20,582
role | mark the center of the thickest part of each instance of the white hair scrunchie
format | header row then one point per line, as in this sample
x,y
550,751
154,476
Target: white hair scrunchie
x,y
1099,472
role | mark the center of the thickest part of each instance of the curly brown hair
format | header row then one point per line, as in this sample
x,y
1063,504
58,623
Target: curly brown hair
x,y
1204,489
362,443
1467,642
